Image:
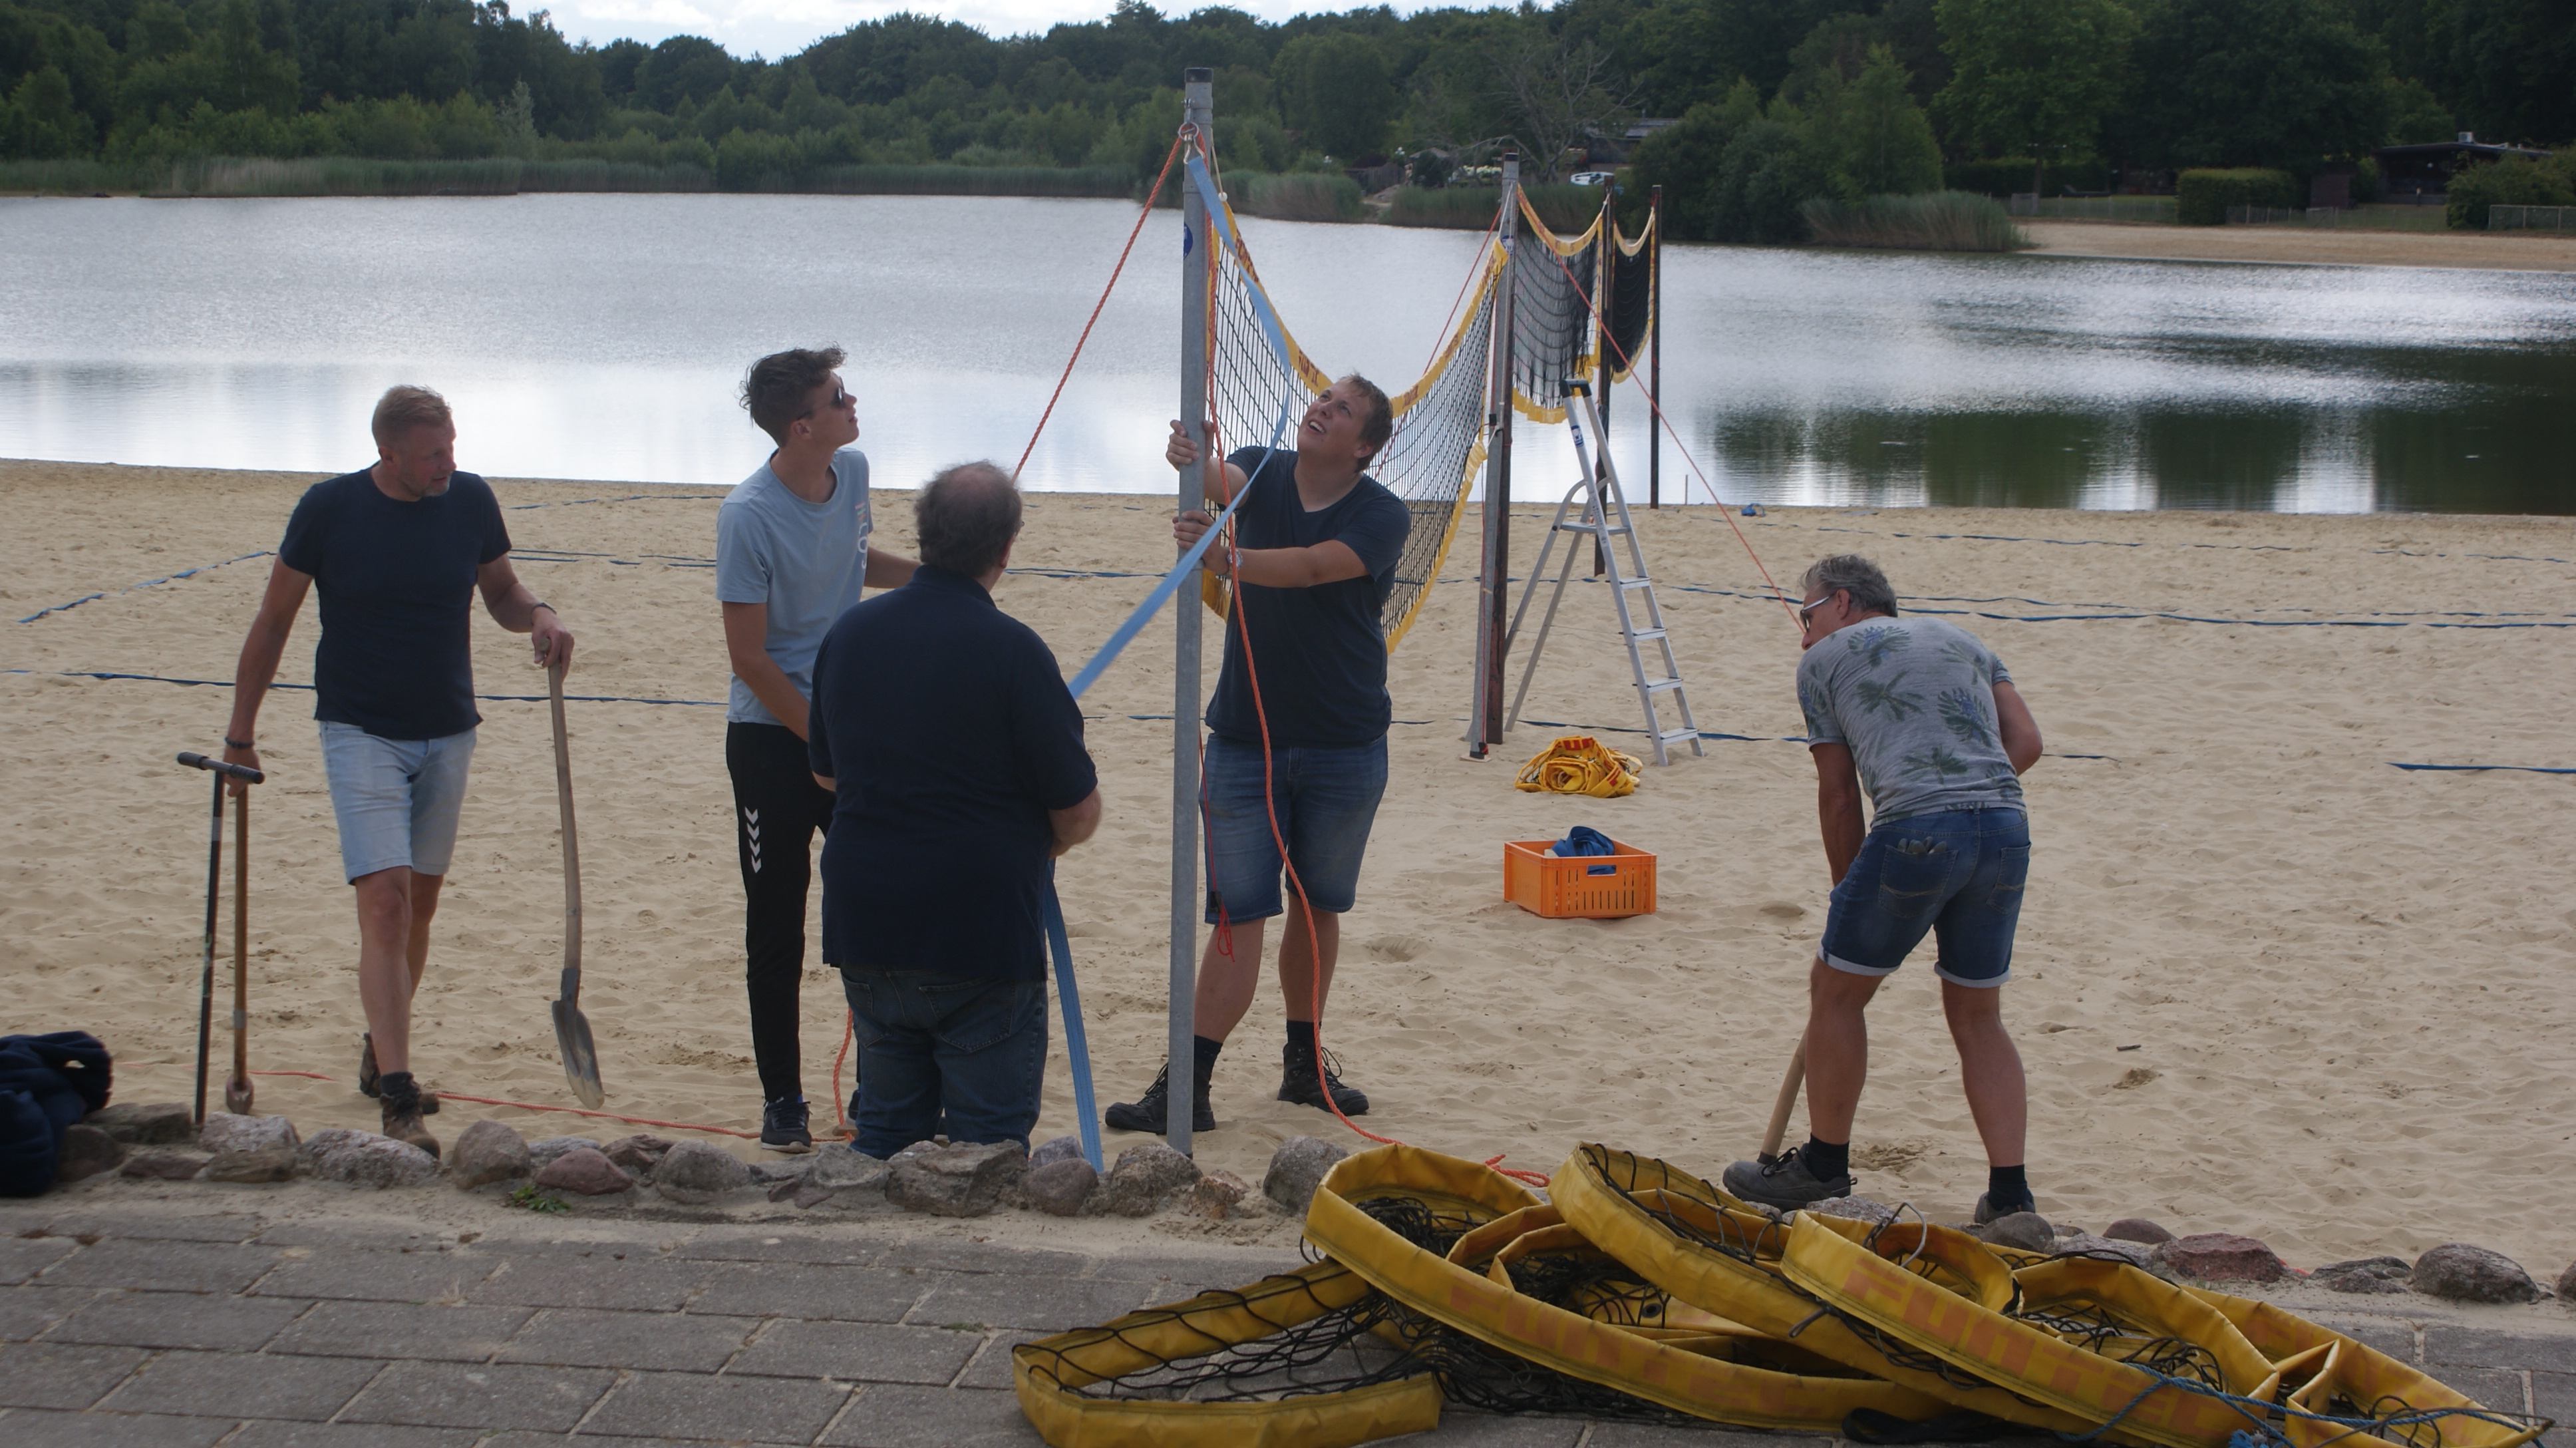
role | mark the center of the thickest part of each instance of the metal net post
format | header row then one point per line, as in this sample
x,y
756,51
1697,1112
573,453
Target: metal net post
x,y
1198,258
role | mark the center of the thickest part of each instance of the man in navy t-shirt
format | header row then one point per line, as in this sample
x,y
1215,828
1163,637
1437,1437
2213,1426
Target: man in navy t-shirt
x,y
1297,730
398,551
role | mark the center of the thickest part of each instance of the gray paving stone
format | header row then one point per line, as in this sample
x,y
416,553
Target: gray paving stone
x,y
824,1294
2553,1395
493,1396
26,1312
865,1352
580,1338
163,1266
24,1257
2492,1387
938,1256
1002,1300
350,1435
179,1319
891,1416
992,1368
355,1234
1646,1435
1484,1430
402,1330
38,1428
636,1284
692,1406
239,1385
378,1276
752,1245
1195,1274
2487,1348
2393,1338
155,1227
61,1375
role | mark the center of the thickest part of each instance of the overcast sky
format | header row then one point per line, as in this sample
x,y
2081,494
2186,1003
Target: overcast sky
x,y
778,28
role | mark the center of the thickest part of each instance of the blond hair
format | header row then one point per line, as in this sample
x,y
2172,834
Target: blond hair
x,y
404,407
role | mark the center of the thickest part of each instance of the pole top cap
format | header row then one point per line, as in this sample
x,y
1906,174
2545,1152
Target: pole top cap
x,y
1198,75
1511,155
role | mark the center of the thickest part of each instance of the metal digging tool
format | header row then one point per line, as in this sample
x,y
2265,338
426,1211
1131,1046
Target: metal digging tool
x,y
572,1029
214,889
237,1093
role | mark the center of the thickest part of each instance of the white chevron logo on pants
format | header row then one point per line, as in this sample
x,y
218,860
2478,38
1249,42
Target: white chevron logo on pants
x,y
751,833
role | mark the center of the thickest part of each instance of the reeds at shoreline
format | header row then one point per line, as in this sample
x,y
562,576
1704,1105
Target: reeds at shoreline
x,y
1566,208
1933,221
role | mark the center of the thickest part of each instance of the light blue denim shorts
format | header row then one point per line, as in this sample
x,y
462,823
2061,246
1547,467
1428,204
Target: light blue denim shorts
x,y
396,800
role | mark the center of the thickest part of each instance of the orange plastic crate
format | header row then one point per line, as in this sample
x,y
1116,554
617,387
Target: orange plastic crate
x,y
1565,889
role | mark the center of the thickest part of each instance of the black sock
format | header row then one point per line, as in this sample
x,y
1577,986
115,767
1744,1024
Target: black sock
x,y
2007,1190
1301,1041
1826,1160
1203,1055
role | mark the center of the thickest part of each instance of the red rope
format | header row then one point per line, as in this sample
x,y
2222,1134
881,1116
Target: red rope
x,y
533,1106
1067,375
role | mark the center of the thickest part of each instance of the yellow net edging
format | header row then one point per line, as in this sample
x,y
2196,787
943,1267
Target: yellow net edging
x,y
1696,1303
1580,764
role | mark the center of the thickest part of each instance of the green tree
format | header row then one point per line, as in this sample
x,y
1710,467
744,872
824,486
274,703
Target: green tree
x,y
1338,92
1886,140
2278,83
2034,77
38,119
2507,67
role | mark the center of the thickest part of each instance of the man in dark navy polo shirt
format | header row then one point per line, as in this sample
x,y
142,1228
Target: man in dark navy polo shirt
x,y
1317,544
398,551
955,755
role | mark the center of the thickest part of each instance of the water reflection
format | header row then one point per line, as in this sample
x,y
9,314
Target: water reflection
x,y
601,337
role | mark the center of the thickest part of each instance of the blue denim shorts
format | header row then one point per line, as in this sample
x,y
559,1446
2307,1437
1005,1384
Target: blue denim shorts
x,y
968,1050
396,799
1326,800
1958,874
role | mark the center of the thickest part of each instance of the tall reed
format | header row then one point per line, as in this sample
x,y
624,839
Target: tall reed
x,y
1934,221
65,178
1295,196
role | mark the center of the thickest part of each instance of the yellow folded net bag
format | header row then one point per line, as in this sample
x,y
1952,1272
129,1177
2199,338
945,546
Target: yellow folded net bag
x,y
1580,764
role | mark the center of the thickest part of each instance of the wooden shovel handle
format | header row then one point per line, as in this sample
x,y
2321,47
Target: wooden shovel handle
x,y
571,841
241,939
1788,1101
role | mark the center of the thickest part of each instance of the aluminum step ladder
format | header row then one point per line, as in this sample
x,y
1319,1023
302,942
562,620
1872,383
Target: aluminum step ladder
x,y
1604,516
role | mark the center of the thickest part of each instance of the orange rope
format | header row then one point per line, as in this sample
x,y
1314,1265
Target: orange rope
x,y
849,1029
1067,375
533,1106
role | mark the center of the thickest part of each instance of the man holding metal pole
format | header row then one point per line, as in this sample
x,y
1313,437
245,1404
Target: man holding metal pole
x,y
398,551
1924,718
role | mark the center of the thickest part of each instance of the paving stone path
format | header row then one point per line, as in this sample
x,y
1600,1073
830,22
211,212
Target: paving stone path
x,y
222,1331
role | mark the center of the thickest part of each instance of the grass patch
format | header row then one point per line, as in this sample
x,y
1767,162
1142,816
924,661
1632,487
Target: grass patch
x,y
527,1196
1934,221
1295,195
65,178
1566,208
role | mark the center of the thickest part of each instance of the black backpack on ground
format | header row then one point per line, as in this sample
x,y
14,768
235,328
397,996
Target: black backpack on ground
x,y
47,1084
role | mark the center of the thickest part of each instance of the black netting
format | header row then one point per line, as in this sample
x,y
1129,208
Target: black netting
x,y
1632,305
1551,319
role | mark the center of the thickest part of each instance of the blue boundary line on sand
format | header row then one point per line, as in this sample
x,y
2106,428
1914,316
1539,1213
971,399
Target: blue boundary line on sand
x,y
2477,768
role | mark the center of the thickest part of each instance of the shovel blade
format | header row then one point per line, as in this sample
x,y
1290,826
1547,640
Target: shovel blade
x,y
580,1060
237,1096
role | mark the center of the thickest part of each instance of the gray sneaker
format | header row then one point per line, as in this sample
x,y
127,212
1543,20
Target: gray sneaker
x,y
1785,1183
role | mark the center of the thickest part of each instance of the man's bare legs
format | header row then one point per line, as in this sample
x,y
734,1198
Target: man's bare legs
x,y
1837,1048
1228,983
1990,1069
394,911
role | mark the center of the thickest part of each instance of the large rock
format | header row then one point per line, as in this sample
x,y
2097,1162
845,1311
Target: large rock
x,y
166,1123
787,1170
224,1132
265,1164
1062,1148
2221,1257
86,1152
1060,1187
165,1164
840,1172
1144,1179
2567,1284
584,1171
1297,1168
2027,1231
1857,1209
640,1153
1216,1195
955,1181
697,1172
487,1152
2137,1229
543,1152
2384,1275
2462,1273
364,1159
2085,1244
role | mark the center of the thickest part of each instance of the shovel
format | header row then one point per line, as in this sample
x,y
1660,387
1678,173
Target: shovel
x,y
237,1093
1788,1102
572,1029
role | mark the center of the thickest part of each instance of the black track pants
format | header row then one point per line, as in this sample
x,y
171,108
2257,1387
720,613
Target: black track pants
x,y
778,810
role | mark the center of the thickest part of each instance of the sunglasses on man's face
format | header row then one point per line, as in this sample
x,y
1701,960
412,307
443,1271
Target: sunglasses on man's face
x,y
1806,611
840,399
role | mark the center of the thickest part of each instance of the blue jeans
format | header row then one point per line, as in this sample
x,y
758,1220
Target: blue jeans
x,y
1957,874
1326,800
931,1040
396,800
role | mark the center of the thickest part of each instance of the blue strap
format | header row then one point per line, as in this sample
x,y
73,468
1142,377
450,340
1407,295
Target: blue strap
x,y
1077,1048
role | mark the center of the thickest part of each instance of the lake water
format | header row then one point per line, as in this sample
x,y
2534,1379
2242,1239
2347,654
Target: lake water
x,y
602,337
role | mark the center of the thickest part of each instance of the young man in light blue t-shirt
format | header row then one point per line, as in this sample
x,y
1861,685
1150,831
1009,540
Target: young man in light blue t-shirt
x,y
792,551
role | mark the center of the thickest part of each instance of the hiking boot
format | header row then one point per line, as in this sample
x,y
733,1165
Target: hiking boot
x,y
1151,1111
370,1081
1297,1083
1785,1183
399,1099
782,1126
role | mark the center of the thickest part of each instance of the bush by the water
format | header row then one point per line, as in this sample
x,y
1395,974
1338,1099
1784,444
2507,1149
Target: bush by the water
x,y
2201,197
2507,181
1295,196
1938,221
2011,176
1566,209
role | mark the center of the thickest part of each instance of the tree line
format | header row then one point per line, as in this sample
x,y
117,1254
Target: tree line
x,y
1778,98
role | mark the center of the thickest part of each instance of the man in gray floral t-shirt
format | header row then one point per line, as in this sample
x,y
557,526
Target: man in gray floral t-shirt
x,y
1926,720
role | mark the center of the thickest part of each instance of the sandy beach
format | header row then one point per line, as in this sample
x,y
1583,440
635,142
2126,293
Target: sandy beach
x,y
2266,982
2299,245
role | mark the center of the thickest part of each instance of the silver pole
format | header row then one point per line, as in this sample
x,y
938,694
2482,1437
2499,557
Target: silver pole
x,y
1493,586
1198,257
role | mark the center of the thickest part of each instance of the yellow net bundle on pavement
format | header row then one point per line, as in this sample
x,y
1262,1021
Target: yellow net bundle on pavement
x,y
1644,1293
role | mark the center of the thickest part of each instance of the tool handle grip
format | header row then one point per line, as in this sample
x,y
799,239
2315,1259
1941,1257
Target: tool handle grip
x,y
242,772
